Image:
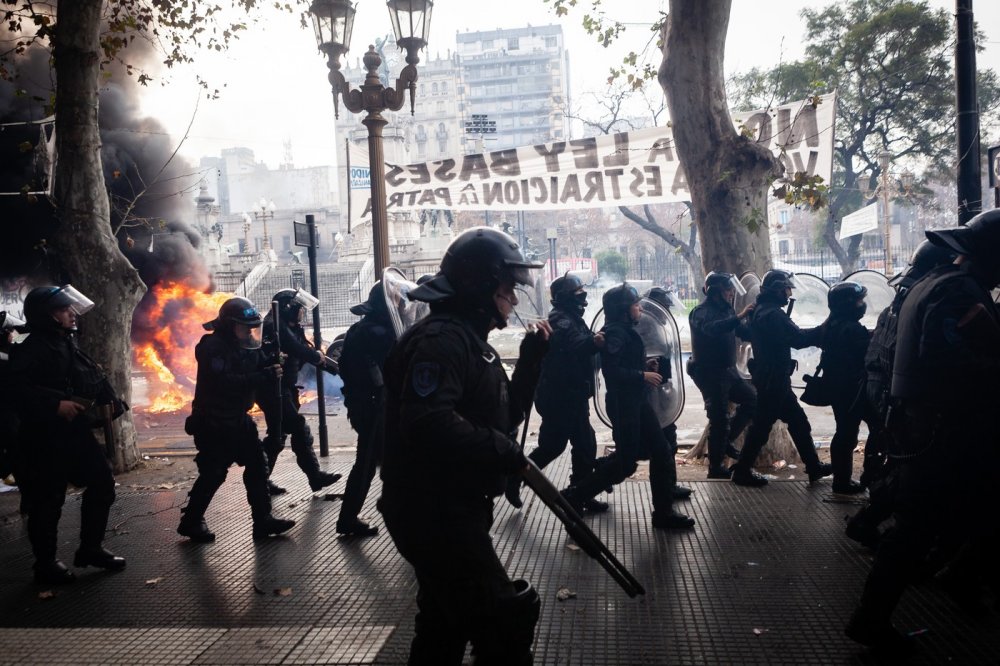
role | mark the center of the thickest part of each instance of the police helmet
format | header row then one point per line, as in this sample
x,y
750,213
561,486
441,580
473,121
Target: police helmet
x,y
926,257
776,280
843,297
375,302
291,302
235,311
980,238
662,297
474,265
618,300
563,289
42,302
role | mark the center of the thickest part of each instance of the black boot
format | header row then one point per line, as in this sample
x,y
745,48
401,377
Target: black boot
x,y
53,572
274,489
196,529
321,480
748,478
513,491
356,528
672,520
99,557
270,526
594,506
819,471
681,492
720,472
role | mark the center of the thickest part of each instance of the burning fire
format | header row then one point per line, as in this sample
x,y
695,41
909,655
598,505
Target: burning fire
x,y
166,330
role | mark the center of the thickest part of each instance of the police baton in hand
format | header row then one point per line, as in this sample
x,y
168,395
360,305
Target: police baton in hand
x,y
578,530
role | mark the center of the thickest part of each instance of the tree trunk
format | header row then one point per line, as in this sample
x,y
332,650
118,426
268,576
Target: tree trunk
x,y
88,254
727,174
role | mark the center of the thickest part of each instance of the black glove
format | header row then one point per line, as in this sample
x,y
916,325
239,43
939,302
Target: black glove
x,y
512,458
533,349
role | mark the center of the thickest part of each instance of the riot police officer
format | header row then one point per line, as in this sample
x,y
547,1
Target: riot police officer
x,y
54,382
943,391
449,418
845,341
634,426
877,474
281,408
565,389
773,334
231,366
362,358
714,327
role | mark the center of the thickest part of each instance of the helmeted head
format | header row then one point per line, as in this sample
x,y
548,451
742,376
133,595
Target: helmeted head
x,y
618,302
375,305
926,257
978,240
847,299
568,294
662,297
477,263
238,318
293,305
776,285
721,285
55,308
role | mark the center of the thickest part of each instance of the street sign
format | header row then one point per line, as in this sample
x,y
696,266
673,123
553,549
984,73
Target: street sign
x,y
301,234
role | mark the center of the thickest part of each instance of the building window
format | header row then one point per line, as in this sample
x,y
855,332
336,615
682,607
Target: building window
x,y
487,44
444,88
286,243
512,43
434,89
783,247
440,107
551,42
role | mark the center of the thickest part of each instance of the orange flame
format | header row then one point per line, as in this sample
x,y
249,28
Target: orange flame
x,y
175,313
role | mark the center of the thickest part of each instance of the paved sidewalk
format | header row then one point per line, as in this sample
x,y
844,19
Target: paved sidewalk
x,y
766,577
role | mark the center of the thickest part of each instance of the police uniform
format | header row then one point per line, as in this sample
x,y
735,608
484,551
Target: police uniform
x,y
450,412
564,392
714,327
224,433
773,334
635,427
944,375
845,342
366,346
48,368
281,412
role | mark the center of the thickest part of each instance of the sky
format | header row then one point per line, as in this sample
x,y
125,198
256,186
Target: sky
x,y
273,85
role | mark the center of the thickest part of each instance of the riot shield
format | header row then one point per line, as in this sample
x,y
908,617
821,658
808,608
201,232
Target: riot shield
x,y
403,311
744,350
661,339
810,310
879,297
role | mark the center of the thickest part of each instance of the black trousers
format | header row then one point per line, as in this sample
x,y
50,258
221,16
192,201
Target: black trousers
x,y
849,410
220,444
464,594
637,435
719,387
776,401
45,468
368,424
561,425
282,418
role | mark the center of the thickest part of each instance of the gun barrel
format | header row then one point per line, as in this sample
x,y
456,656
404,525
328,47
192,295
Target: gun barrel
x,y
578,530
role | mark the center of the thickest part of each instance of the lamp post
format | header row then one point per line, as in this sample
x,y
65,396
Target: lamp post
x,y
264,212
246,234
887,188
333,22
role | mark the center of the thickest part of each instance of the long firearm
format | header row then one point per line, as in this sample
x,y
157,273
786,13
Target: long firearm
x,y
277,346
578,530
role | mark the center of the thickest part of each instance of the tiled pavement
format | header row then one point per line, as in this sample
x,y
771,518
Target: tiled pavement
x,y
766,577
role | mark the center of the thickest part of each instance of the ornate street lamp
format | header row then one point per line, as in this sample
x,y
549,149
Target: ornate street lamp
x,y
333,22
264,212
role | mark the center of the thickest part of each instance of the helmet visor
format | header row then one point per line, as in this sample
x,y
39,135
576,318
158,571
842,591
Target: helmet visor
x,y
523,274
248,335
796,283
78,302
305,299
735,285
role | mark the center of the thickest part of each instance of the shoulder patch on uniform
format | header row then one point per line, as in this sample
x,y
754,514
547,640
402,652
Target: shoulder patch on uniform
x,y
425,378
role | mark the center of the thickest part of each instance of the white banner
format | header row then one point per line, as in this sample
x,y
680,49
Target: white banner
x,y
629,168
859,221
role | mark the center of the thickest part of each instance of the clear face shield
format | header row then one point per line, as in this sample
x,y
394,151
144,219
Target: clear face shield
x,y
306,300
249,337
80,304
735,285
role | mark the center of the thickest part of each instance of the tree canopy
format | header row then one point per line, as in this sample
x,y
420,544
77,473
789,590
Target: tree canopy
x,y
890,63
